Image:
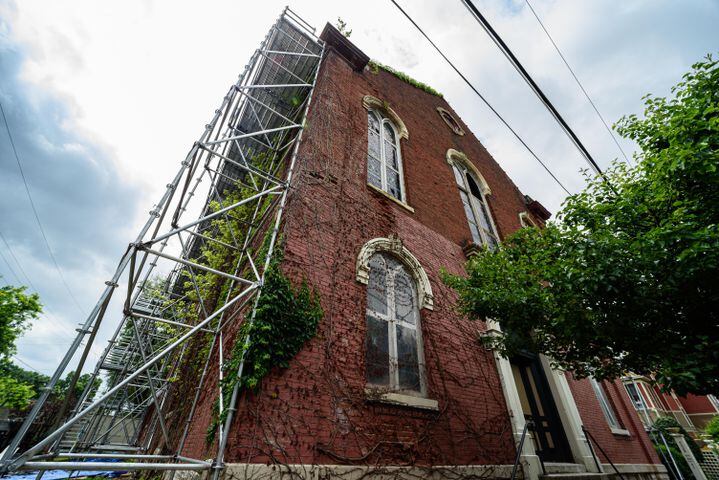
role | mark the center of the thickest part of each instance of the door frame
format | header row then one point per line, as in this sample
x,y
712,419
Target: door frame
x,y
530,365
566,408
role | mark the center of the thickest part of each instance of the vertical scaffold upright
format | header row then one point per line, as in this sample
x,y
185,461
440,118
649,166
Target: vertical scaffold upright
x,y
236,178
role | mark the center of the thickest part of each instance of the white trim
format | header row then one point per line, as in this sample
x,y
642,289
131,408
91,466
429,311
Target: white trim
x,y
525,220
458,129
621,431
459,163
383,119
394,245
389,196
459,158
568,414
393,321
373,103
394,398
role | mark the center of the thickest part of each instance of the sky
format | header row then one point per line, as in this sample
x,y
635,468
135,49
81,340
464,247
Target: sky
x,y
103,100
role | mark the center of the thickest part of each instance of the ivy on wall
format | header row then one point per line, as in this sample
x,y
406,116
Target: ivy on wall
x,y
375,67
285,318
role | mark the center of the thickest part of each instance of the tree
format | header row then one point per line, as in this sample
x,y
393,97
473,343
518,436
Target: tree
x,y
15,394
16,311
627,278
712,429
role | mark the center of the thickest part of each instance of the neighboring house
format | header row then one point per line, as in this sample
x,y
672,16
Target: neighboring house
x,y
692,412
391,188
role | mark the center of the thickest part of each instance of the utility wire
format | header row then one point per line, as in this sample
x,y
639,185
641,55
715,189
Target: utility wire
x,y
486,102
34,211
576,79
535,88
17,262
45,309
10,269
27,364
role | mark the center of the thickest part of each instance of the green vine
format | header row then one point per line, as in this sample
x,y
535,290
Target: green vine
x,y
375,67
285,319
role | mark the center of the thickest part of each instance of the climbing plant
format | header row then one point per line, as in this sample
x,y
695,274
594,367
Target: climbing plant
x,y
285,318
375,67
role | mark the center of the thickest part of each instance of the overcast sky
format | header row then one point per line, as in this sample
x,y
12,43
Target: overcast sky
x,y
104,98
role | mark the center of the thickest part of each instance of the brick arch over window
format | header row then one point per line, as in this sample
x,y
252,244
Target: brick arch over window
x,y
373,103
394,245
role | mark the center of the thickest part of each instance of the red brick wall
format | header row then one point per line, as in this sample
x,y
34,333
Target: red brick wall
x,y
697,404
635,448
316,410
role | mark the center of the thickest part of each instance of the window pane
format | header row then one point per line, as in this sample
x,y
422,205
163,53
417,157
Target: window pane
x,y
393,187
377,286
483,214
407,364
604,404
404,297
473,188
476,238
373,143
458,176
390,152
377,352
374,175
492,240
373,122
389,133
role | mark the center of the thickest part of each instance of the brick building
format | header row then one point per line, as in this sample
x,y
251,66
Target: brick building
x,y
392,188
692,412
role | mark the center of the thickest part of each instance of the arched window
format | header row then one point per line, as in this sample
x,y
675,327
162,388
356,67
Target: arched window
x,y
394,342
450,121
384,160
472,191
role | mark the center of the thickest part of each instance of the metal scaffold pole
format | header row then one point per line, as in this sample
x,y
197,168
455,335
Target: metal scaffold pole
x,y
226,199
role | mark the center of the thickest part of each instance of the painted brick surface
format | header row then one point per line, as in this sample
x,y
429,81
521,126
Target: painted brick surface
x,y
316,411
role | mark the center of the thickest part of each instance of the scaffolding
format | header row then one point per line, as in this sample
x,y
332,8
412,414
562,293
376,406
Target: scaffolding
x,y
234,183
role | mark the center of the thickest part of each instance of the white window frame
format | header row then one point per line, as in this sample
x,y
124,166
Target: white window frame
x,y
384,164
526,220
472,203
609,414
390,318
642,405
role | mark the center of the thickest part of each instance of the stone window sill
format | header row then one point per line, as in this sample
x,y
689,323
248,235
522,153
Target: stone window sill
x,y
403,400
387,195
621,431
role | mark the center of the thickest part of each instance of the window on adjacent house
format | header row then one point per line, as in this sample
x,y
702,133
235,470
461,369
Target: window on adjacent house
x,y
394,345
384,161
636,396
606,407
526,220
475,207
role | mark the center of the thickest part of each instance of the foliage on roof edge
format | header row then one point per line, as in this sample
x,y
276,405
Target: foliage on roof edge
x,y
376,66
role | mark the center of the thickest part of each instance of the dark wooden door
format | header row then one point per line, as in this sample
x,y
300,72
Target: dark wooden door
x,y
539,407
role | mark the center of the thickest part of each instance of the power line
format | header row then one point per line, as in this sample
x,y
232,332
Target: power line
x,y
12,271
17,262
533,85
34,211
576,79
45,309
27,364
486,102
